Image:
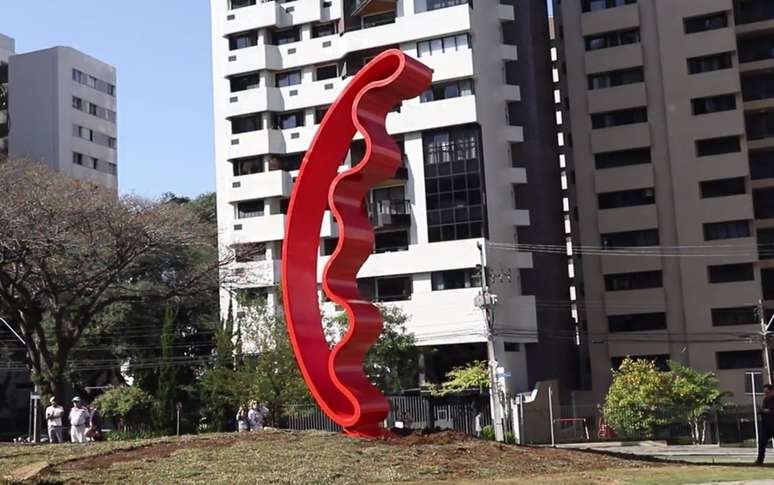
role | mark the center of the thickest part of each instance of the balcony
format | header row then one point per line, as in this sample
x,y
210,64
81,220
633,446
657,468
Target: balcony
x,y
747,12
390,214
261,186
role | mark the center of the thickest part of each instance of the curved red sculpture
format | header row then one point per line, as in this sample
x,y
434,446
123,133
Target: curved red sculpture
x,y
335,377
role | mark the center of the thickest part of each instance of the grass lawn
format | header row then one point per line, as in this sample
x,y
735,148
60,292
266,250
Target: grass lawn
x,y
315,457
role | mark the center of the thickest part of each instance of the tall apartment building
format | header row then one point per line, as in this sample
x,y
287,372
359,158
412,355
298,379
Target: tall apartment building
x,y
480,165
62,111
7,49
669,139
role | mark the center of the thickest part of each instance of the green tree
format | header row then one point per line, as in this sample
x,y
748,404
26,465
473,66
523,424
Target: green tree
x,y
638,398
393,361
472,376
694,395
129,406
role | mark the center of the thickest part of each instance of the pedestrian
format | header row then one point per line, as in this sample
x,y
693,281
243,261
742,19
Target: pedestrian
x,y
242,422
257,416
54,413
79,418
766,425
94,433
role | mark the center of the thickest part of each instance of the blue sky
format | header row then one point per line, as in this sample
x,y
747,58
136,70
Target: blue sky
x,y
162,52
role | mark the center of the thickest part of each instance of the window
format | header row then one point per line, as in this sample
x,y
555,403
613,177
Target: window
x,y
596,5
95,136
327,72
623,158
248,253
723,187
756,380
234,4
247,166
766,243
319,114
767,282
616,78
641,322
397,288
661,361
251,208
512,346
444,44
729,273
454,184
328,245
454,89
77,103
763,203
390,241
244,82
619,118
762,164
752,49
78,158
94,83
251,296
633,281
436,4
754,11
714,231
703,23
287,163
718,146
243,40
713,104
323,30
727,317
286,121
758,86
612,39
285,36
715,62
455,279
739,359
626,198
759,125
368,21
245,124
94,110
288,78
630,239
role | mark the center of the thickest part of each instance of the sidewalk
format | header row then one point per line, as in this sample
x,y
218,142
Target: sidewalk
x,y
689,453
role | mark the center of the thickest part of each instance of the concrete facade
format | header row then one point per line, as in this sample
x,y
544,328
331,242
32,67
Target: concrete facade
x,y
278,65
666,116
62,104
7,49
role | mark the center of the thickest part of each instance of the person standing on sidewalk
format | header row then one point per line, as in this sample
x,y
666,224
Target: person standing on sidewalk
x,y
79,417
54,414
766,426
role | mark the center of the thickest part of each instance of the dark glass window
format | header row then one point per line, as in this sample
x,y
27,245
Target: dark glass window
x,y
752,49
729,273
641,322
622,158
244,124
596,5
319,114
767,282
758,86
240,3
287,78
762,164
748,11
454,184
247,166
766,243
633,281
323,30
285,36
630,239
244,82
713,104
727,317
612,39
390,241
616,78
250,208
286,121
287,163
328,245
327,72
714,231
436,4
453,89
399,288
763,202
714,62
740,359
455,279
703,23
661,361
251,252
718,146
759,125
243,40
626,198
723,187
619,118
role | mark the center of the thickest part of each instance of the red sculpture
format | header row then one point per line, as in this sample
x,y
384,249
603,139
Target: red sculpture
x,y
336,377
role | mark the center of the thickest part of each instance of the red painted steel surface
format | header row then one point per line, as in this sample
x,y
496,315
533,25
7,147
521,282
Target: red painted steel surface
x,y
335,377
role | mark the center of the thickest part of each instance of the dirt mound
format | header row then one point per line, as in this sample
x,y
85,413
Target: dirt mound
x,y
423,438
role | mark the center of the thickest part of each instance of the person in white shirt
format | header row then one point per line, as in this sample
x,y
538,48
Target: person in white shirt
x,y
79,418
54,415
256,416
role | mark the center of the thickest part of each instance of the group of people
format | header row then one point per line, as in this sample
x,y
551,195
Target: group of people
x,y
85,422
252,419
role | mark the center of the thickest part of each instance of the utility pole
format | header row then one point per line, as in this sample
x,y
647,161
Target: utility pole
x,y
486,301
765,333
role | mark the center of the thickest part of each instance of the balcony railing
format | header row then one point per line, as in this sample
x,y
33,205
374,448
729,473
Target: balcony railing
x,y
390,214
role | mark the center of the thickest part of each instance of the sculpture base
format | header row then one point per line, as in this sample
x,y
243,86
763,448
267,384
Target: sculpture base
x,y
372,433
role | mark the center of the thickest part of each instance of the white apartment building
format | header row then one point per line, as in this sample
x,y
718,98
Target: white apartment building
x,y
62,108
278,65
